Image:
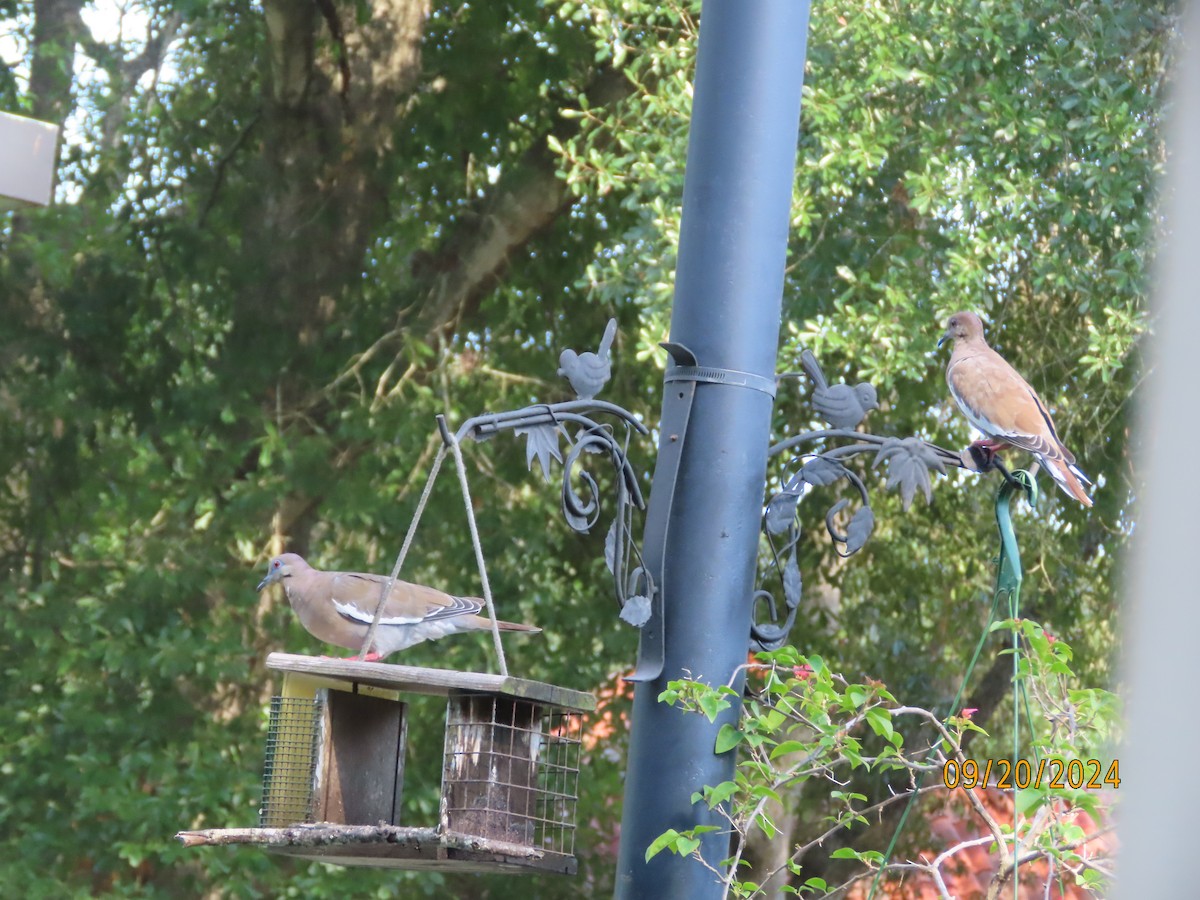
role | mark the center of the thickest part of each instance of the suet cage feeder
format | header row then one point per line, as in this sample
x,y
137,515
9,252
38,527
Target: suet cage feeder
x,y
334,769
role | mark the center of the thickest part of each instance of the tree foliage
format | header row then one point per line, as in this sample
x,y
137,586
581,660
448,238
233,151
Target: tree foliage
x,y
288,235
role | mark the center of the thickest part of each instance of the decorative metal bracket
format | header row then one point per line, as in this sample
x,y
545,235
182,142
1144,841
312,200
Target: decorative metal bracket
x,y
545,425
910,462
638,574
681,380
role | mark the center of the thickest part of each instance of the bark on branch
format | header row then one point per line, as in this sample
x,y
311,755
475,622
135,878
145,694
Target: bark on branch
x,y
324,834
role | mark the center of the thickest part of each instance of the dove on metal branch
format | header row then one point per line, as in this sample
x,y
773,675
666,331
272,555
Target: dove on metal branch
x,y
1002,405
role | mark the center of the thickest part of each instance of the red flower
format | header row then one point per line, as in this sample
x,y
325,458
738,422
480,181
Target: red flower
x,y
1048,636
803,672
969,711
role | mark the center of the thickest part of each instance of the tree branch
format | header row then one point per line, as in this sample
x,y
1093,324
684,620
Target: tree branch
x,y
528,198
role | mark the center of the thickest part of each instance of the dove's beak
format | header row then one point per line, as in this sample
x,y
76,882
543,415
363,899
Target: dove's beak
x,y
945,337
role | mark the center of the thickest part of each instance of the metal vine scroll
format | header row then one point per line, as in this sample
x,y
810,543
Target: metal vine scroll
x,y
546,425
910,463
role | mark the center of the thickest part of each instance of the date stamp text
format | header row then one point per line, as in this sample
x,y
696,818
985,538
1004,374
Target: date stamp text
x,y
1077,774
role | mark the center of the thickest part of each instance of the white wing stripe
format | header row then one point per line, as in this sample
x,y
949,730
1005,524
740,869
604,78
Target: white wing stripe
x,y
350,611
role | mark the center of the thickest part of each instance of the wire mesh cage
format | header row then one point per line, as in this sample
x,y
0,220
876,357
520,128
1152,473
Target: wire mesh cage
x,y
558,782
511,771
290,761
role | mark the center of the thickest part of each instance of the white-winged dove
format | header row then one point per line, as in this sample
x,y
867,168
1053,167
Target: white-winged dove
x,y
1002,405
337,607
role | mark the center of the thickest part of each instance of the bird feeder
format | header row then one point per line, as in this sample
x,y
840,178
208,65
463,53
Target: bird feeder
x,y
334,771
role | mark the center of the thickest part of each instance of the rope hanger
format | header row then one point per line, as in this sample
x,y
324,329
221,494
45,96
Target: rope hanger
x,y
449,442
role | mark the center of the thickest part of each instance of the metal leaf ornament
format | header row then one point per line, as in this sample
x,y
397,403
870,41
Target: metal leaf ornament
x,y
820,471
909,461
781,511
541,443
822,457
793,585
861,524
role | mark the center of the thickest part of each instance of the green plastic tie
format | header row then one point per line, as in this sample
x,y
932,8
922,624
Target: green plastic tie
x,y
1008,583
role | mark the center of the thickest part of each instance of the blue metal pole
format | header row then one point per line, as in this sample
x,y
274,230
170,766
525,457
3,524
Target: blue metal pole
x,y
705,505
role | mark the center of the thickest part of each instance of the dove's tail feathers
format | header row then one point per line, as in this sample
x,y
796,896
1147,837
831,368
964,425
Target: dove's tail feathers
x,y
610,332
808,362
1069,477
1079,473
515,626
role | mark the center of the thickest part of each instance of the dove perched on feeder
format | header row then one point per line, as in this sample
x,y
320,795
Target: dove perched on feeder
x,y
588,372
1002,405
338,607
841,405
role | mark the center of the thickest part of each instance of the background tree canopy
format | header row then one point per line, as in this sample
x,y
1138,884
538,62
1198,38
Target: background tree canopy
x,y
289,234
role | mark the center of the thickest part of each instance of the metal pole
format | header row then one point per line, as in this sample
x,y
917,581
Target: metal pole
x,y
728,289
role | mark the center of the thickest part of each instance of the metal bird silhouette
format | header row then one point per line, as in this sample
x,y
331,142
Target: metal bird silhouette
x,y
841,405
588,372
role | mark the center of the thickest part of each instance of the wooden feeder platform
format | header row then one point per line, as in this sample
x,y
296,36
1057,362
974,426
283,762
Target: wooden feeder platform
x,y
435,682
332,789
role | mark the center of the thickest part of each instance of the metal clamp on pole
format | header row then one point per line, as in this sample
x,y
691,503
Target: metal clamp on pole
x,y
714,375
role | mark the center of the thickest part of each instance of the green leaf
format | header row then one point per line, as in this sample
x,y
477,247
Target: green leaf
x,y
712,705
880,721
1028,799
857,695
785,747
766,826
718,794
668,838
727,738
